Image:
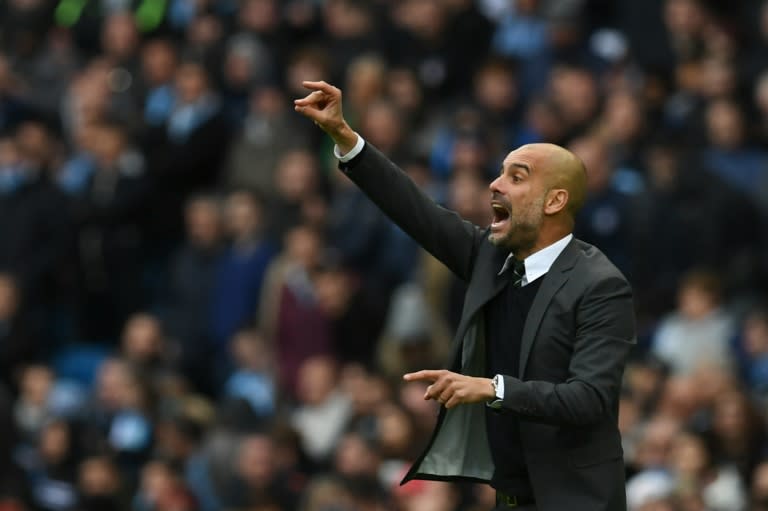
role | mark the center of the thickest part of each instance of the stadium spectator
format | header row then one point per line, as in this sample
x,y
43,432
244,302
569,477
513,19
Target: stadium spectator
x,y
100,485
698,477
323,410
241,269
191,277
268,133
145,347
51,467
252,378
256,479
186,154
108,215
33,214
730,154
698,333
158,66
296,183
606,218
353,311
291,315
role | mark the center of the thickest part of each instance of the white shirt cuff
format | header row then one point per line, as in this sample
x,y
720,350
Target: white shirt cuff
x,y
500,388
352,153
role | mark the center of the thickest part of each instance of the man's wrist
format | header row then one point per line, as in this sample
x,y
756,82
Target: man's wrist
x,y
352,153
497,384
492,384
345,138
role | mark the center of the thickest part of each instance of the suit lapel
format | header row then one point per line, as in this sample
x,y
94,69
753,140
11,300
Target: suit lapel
x,y
488,285
555,278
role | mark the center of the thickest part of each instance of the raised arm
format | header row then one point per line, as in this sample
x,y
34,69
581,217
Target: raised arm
x,y
441,232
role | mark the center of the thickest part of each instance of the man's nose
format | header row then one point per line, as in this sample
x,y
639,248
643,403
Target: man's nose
x,y
494,186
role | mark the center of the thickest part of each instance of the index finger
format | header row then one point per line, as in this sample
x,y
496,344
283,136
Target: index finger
x,y
321,86
429,375
312,97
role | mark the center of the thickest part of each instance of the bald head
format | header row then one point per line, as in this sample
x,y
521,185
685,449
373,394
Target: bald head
x,y
535,198
560,169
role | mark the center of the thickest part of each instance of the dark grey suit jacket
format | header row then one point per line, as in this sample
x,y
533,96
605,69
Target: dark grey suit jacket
x,y
575,343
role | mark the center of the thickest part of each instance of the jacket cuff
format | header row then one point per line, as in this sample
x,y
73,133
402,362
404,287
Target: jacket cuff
x,y
517,397
352,153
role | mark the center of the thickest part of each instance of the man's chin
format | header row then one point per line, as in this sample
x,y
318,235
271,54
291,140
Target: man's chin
x,y
508,241
499,239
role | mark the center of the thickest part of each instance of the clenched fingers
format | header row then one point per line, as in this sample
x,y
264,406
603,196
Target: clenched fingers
x,y
312,98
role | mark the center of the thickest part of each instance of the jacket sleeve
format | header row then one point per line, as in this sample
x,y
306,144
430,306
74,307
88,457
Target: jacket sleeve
x,y
441,232
605,334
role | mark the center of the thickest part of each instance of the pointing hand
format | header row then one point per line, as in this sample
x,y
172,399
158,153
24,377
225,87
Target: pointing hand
x,y
323,106
451,389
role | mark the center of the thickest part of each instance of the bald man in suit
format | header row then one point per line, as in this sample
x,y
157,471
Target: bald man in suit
x,y
530,402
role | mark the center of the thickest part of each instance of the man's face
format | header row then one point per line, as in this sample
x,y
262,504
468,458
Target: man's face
x,y
518,201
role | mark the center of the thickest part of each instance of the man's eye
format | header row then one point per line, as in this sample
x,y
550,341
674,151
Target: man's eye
x,y
516,178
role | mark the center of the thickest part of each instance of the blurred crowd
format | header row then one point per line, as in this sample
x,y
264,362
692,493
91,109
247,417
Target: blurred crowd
x,y
199,313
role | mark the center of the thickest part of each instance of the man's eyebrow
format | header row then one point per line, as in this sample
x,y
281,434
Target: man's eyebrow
x,y
523,166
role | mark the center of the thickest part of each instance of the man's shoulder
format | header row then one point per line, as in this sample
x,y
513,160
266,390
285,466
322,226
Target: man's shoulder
x,y
593,265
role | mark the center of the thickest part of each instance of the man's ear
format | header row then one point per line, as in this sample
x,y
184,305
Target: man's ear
x,y
555,201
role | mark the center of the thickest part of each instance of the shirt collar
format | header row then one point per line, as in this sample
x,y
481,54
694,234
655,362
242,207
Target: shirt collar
x,y
539,263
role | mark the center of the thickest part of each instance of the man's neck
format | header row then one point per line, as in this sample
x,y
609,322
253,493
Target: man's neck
x,y
541,244
552,231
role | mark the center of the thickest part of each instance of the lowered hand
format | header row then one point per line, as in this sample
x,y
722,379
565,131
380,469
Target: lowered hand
x,y
451,389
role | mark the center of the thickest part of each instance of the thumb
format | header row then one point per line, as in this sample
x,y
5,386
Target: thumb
x,y
310,112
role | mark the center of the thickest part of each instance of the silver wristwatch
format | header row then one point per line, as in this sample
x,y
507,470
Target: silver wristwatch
x,y
498,387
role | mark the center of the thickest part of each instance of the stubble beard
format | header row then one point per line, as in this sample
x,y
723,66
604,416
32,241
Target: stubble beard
x,y
523,230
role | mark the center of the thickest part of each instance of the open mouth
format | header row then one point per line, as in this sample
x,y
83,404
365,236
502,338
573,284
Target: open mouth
x,y
501,215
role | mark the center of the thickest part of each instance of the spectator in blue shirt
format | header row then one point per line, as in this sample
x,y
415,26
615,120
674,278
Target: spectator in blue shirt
x,y
240,270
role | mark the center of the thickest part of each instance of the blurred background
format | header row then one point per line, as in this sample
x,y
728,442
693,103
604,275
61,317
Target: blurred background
x,y
199,313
